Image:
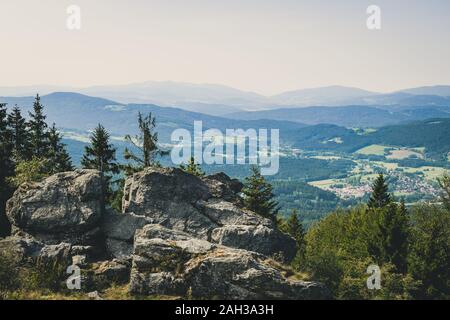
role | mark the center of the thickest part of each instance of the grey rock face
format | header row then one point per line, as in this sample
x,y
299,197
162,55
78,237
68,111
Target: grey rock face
x,y
207,208
60,253
26,249
119,230
20,248
122,226
112,272
259,238
171,262
177,234
63,206
119,249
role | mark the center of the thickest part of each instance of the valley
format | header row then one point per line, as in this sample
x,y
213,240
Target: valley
x,y
329,155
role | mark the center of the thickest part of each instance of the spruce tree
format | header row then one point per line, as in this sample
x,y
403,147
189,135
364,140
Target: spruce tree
x,y
293,226
429,256
6,169
146,144
100,155
3,122
19,135
58,158
5,142
193,168
258,195
5,146
38,130
380,196
390,237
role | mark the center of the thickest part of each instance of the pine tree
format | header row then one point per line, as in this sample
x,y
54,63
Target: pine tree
x,y
19,135
429,257
58,158
38,130
380,196
5,142
100,155
146,142
295,229
3,122
5,147
6,170
390,238
193,168
258,195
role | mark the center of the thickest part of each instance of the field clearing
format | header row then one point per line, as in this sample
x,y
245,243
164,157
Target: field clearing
x,y
403,154
374,149
386,165
362,167
395,153
323,183
327,157
369,178
430,173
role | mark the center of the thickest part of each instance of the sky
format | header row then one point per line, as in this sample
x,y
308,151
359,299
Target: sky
x,y
265,46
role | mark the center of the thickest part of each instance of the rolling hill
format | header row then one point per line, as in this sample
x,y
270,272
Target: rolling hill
x,y
219,100
81,113
347,116
331,95
432,134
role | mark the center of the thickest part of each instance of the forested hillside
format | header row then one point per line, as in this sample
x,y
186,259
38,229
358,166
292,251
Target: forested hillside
x,y
430,134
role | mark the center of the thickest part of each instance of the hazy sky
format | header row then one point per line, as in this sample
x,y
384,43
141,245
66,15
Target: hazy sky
x,y
266,46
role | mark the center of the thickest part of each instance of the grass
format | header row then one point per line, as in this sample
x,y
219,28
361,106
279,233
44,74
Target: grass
x,y
394,153
430,173
112,293
403,154
287,271
326,157
323,183
386,165
374,149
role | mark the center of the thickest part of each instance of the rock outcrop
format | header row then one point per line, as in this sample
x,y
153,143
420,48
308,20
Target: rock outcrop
x,y
65,207
206,208
177,234
171,262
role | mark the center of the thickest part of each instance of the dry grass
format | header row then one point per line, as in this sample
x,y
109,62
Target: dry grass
x,y
287,271
112,293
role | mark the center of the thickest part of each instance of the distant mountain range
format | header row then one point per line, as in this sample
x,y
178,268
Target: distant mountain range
x,y
312,128
221,100
79,113
349,116
82,113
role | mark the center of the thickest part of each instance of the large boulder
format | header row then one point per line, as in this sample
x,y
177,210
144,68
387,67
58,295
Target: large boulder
x,y
171,262
28,250
180,234
207,208
119,230
63,207
20,249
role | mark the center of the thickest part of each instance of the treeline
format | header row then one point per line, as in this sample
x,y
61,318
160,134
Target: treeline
x,y
101,155
411,246
29,150
431,134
